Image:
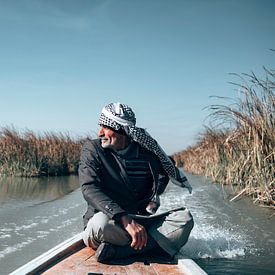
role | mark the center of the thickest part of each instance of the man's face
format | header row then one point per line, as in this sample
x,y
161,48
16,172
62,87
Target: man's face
x,y
111,139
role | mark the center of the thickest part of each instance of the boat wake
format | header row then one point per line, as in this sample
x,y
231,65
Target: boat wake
x,y
214,242
215,234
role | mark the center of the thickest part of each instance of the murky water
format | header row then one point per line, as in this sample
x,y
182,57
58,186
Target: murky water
x,y
228,238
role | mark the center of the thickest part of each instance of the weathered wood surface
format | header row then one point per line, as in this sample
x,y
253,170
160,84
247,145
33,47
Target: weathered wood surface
x,y
84,262
72,258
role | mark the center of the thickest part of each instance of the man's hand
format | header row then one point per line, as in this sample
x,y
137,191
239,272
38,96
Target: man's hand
x,y
136,231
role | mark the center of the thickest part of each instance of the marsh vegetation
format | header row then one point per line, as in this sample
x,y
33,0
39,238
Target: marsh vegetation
x,y
30,155
239,146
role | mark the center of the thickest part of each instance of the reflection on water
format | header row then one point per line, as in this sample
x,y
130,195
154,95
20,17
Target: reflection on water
x,y
38,189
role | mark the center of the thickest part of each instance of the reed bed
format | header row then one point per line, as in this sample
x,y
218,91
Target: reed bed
x,y
31,155
239,147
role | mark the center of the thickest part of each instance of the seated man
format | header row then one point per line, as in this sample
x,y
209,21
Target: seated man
x,y
121,175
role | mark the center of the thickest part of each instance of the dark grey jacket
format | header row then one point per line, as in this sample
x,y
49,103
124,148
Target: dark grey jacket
x,y
105,188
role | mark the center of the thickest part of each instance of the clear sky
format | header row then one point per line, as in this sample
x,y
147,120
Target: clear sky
x,y
61,61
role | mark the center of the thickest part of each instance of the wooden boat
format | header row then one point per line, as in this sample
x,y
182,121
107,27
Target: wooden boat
x,y
72,257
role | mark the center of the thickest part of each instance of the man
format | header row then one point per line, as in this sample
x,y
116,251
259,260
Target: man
x,y
121,176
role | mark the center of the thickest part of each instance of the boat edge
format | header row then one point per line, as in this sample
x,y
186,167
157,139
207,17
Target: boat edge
x,y
39,264
189,267
50,256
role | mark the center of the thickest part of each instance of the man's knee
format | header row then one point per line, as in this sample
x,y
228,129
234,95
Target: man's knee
x,y
93,234
98,222
179,218
178,226
186,230
101,228
185,225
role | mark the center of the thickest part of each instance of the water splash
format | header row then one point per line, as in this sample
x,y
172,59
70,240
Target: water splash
x,y
214,235
213,242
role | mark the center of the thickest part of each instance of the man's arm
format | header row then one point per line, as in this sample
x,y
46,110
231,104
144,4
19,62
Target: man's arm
x,y
89,177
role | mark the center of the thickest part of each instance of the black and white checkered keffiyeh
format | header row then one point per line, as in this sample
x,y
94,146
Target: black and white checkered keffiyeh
x,y
120,116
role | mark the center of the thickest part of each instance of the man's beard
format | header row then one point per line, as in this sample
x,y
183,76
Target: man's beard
x,y
106,143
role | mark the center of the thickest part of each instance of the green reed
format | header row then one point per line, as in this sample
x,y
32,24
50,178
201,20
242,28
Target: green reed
x,y
30,155
239,148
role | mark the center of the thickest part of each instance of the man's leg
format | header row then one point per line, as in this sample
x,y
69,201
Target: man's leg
x,y
166,235
110,240
101,228
107,251
172,232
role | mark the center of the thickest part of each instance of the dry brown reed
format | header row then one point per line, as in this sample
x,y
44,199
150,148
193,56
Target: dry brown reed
x,y
31,155
242,151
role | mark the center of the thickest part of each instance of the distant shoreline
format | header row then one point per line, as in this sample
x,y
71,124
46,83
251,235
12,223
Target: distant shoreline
x,y
29,155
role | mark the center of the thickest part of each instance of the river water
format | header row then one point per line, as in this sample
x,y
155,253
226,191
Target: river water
x,y
228,237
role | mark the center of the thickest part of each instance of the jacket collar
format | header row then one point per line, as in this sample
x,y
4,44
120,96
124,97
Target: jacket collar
x,y
131,151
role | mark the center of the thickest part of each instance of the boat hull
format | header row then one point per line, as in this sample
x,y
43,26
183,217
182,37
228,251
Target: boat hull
x,y
72,257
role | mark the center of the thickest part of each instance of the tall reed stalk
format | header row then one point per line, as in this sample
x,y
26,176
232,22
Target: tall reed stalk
x,y
32,155
240,148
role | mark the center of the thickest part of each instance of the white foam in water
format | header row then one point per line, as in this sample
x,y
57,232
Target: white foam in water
x,y
212,242
25,226
42,234
15,248
66,223
5,236
6,229
209,239
21,230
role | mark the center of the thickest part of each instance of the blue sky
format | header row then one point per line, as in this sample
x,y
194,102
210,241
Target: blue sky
x,y
62,61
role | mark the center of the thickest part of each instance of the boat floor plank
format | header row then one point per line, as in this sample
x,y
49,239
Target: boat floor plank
x,y
84,262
